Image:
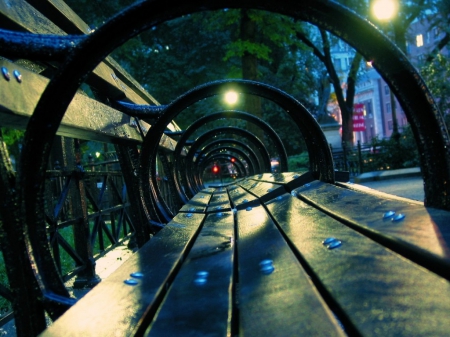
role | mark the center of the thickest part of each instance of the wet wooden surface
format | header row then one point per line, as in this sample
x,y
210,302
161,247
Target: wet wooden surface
x,y
291,266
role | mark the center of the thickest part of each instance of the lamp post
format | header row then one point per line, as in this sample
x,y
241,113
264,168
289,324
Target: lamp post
x,y
383,11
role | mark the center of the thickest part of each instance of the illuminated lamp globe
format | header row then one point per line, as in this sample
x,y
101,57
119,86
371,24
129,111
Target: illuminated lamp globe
x,y
231,97
384,9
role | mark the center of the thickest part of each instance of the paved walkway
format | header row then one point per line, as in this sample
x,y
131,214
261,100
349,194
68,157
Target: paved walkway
x,y
411,188
405,183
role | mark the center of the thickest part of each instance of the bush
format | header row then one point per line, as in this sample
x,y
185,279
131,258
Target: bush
x,y
298,162
391,154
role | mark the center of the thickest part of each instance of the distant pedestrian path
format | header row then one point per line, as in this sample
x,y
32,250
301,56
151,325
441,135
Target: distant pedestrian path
x,y
411,187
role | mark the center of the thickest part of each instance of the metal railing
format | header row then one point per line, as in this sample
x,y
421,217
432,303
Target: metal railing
x,y
374,157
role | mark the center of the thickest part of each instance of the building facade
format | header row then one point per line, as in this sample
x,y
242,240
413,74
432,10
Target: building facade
x,y
380,107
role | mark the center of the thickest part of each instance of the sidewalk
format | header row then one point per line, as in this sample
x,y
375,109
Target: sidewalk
x,y
405,183
386,175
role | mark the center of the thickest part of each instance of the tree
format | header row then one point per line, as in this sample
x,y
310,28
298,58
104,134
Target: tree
x,y
322,49
249,58
437,74
194,49
440,19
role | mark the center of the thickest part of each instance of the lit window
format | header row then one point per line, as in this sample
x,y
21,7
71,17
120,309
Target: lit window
x,y
419,40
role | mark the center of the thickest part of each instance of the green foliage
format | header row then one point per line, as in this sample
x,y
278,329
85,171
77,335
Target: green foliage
x,y
298,162
437,74
13,139
274,31
12,136
5,305
239,47
390,154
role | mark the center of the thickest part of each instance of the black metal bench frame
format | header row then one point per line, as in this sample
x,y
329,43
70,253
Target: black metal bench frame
x,y
87,51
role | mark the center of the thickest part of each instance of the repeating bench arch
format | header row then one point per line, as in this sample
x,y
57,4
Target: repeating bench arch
x,y
427,124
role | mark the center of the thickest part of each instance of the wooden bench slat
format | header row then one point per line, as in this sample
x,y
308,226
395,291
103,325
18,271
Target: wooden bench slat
x,y
289,179
69,22
281,303
58,12
158,260
65,18
262,190
219,201
199,202
22,16
110,78
85,118
281,178
240,198
200,304
84,114
381,292
423,234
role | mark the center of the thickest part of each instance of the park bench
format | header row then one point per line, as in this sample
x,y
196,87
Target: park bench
x,y
291,253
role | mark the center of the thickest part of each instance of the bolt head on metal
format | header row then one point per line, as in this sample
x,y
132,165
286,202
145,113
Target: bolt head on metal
x,y
248,209
5,73
17,75
192,209
327,241
332,243
220,214
200,281
398,217
280,197
131,282
266,267
388,214
137,275
201,278
294,194
189,215
245,200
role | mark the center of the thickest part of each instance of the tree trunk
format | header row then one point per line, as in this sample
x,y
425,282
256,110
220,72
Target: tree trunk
x,y
346,111
249,61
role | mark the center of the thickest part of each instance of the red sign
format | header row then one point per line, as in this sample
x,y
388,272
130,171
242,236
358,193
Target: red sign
x,y
359,124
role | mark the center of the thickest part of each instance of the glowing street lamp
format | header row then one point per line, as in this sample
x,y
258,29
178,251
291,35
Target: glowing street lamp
x,y
384,9
231,97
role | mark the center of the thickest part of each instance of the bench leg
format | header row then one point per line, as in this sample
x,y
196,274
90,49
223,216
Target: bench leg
x,y
23,289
